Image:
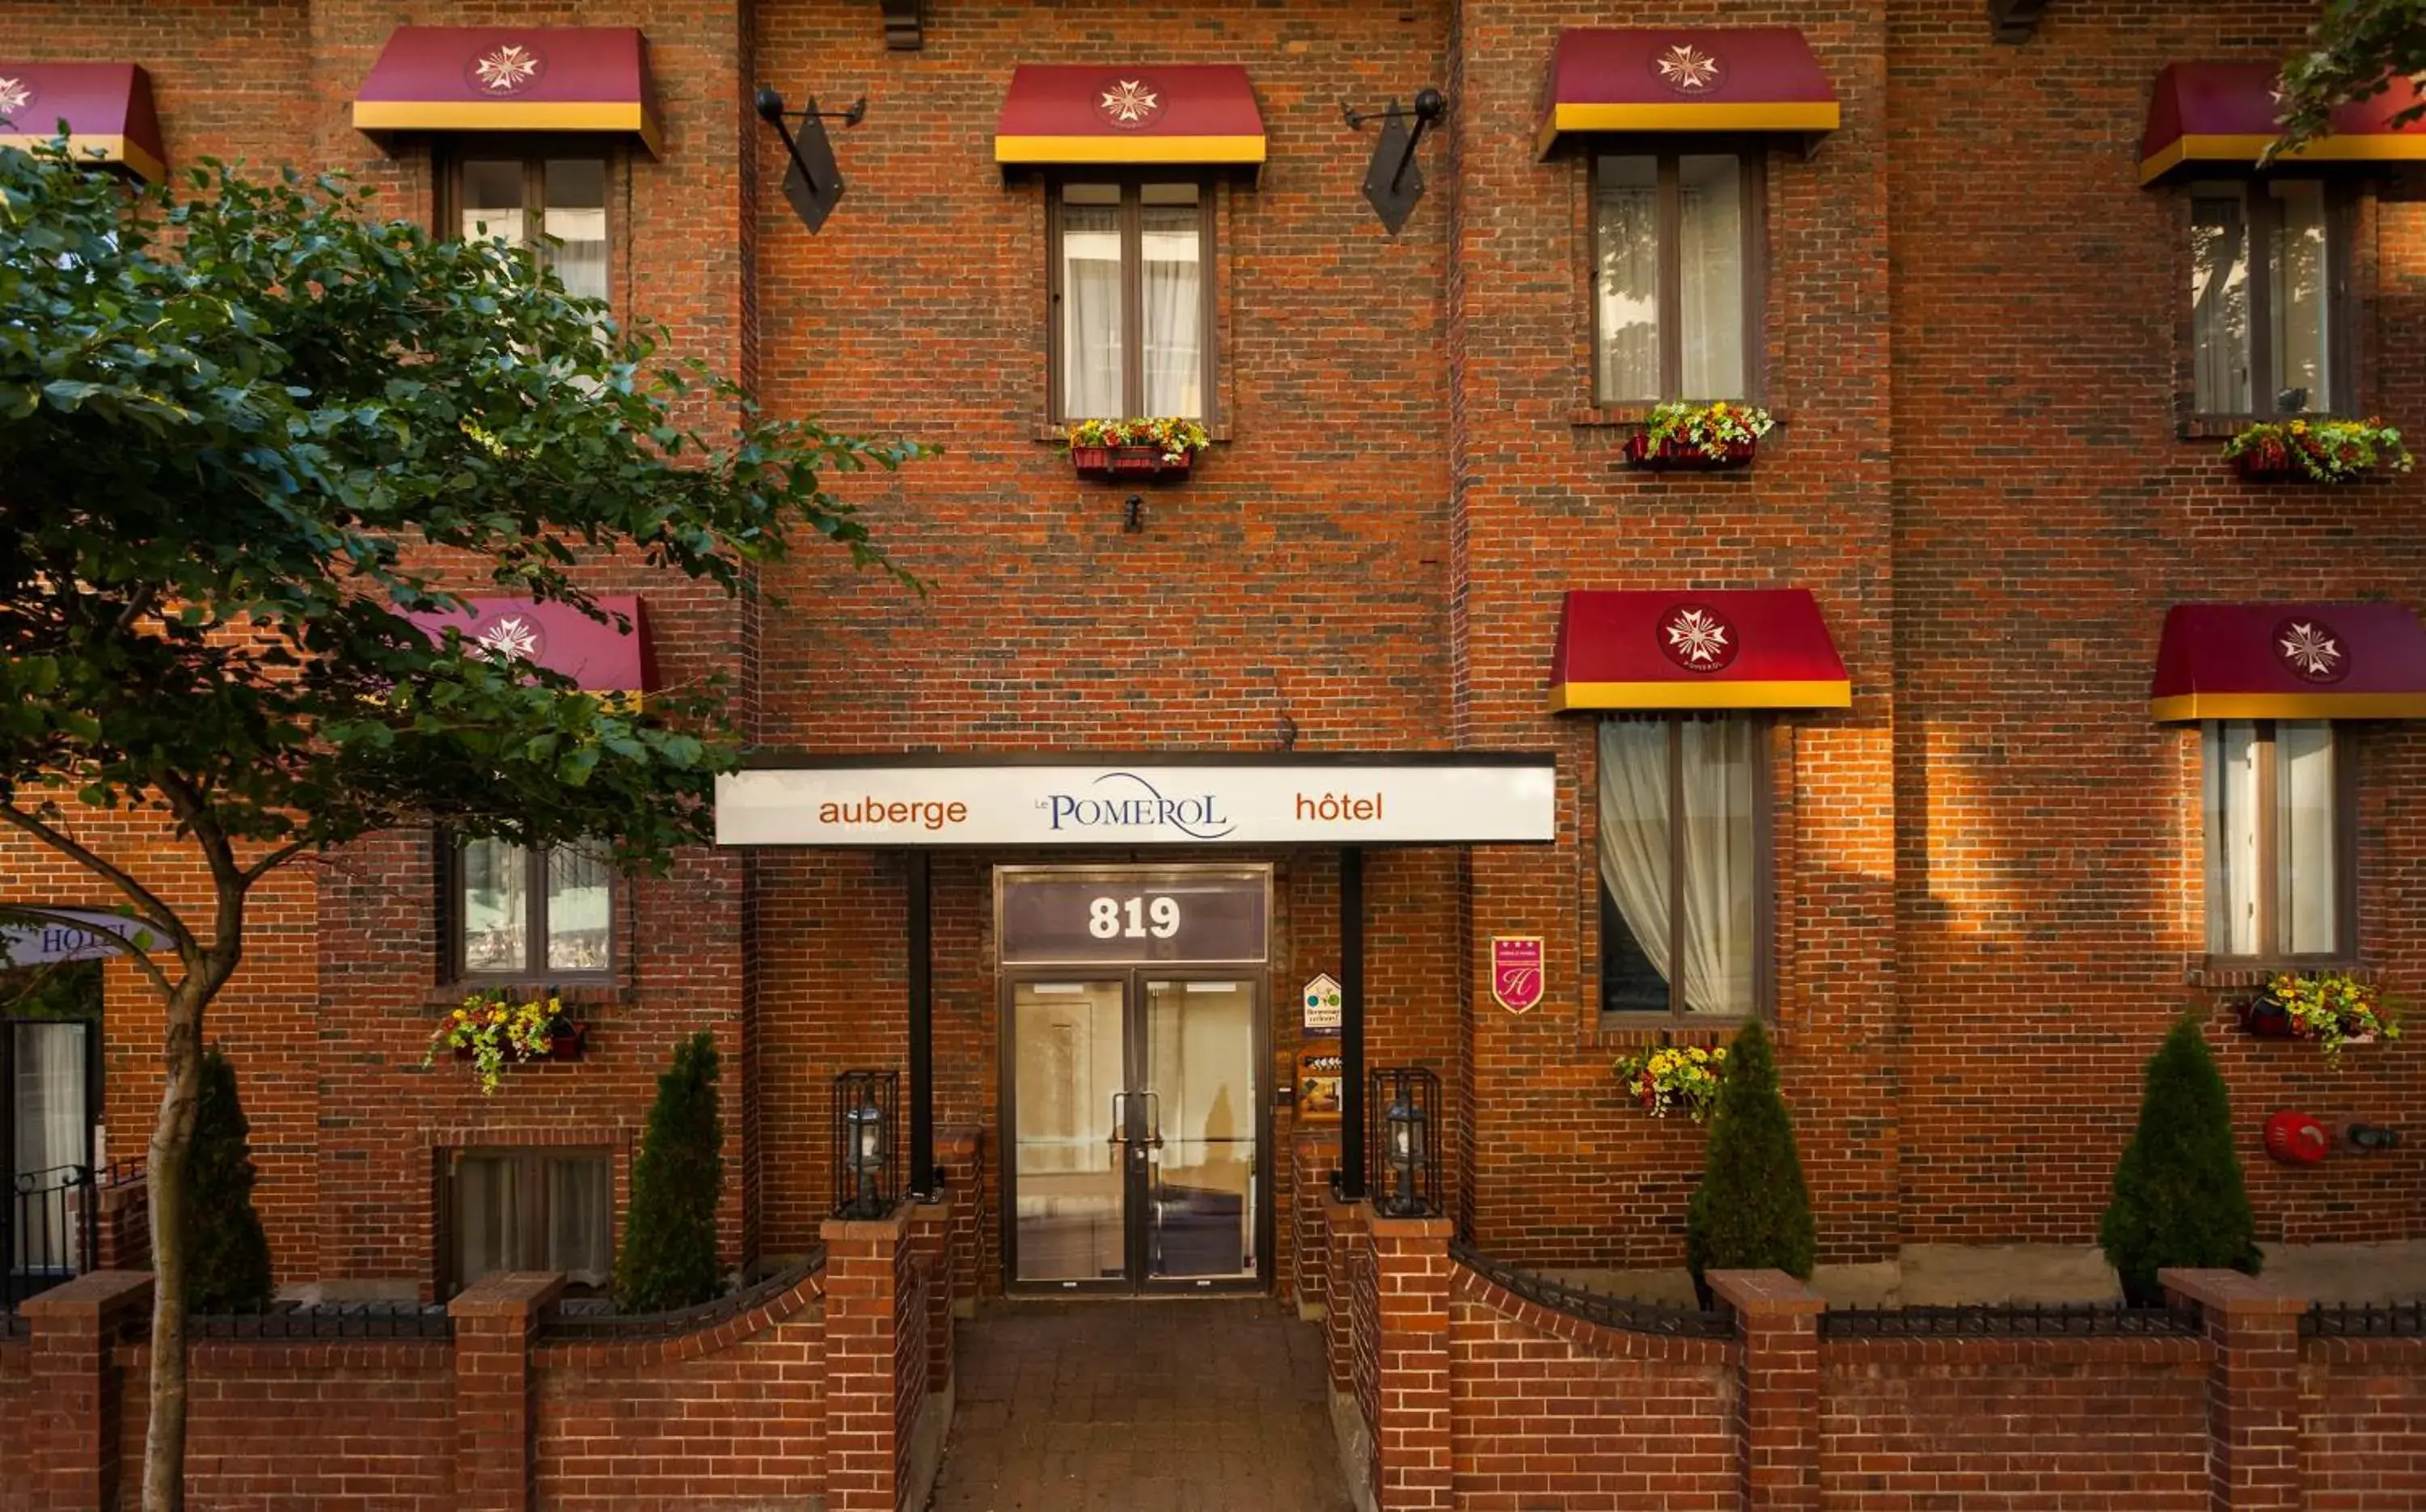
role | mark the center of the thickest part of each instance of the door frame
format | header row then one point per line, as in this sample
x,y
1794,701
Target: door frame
x,y
1133,975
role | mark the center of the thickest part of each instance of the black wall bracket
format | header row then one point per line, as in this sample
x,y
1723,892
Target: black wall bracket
x,y
1393,179
2014,21
813,183
904,24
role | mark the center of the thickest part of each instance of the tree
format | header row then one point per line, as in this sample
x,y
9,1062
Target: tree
x,y
236,430
668,1259
1752,1210
2178,1198
230,1269
2358,49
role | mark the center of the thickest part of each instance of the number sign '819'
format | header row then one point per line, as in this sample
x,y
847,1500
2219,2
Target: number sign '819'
x,y
1051,916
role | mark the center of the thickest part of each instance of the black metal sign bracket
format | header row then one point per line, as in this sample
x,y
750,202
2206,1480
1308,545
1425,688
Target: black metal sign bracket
x,y
813,183
1393,179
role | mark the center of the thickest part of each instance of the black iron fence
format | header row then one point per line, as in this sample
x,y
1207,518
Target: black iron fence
x,y
1596,1307
594,1320
48,1230
2365,1320
2025,1320
329,1320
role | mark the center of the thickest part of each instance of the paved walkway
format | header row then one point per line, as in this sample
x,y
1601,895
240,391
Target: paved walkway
x,y
1141,1407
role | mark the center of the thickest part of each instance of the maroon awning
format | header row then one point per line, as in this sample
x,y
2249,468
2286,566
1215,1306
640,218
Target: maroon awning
x,y
1682,649
2222,115
597,657
1130,113
1685,78
511,78
107,107
2289,661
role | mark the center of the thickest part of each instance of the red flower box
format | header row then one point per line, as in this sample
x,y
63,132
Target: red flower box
x,y
567,1042
2272,463
1683,457
1128,462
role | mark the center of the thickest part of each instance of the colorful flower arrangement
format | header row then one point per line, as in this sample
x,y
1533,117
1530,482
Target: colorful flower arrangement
x,y
1178,441
2328,451
496,1030
2334,1008
1674,1077
1714,430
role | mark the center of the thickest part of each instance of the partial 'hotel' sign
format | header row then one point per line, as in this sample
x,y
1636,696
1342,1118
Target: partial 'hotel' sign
x,y
1144,801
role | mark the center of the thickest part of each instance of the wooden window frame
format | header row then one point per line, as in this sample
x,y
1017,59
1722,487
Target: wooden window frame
x,y
1132,183
534,967
1752,162
534,153
533,1190
1764,848
2269,957
2260,214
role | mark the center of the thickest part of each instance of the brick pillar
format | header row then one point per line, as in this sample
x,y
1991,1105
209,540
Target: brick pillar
x,y
76,1386
1411,1275
868,1267
961,1151
1777,1395
930,1240
2253,1388
1316,1156
1343,1227
496,1407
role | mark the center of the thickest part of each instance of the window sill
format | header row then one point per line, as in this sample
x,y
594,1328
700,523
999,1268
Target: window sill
x,y
2241,974
1600,416
590,994
1629,1031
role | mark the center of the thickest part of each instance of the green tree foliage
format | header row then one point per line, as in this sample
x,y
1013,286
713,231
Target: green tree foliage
x,y
1752,1210
2178,1198
2356,49
236,430
230,1268
668,1259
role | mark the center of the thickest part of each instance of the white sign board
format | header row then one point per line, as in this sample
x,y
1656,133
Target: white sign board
x,y
64,935
1142,802
1321,1006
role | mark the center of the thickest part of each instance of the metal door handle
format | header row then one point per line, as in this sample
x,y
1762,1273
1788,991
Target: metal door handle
x,y
1120,1134
1154,1116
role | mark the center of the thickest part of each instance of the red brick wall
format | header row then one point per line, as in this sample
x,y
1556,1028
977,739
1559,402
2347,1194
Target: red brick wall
x,y
2363,1423
318,1427
16,1448
1549,1413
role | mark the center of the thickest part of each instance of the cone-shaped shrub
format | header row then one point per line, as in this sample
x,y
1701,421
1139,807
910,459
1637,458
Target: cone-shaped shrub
x,y
2179,1200
227,1255
1752,1210
668,1259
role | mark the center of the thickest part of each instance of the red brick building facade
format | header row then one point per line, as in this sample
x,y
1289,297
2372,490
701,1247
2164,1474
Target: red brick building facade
x,y
1982,895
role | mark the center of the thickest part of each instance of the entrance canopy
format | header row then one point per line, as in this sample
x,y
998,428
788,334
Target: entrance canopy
x,y
1329,798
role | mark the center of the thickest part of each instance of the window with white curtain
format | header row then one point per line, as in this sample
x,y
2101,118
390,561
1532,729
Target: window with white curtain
x,y
524,913
1674,306
2277,847
554,205
1684,860
532,1209
1130,265
2266,310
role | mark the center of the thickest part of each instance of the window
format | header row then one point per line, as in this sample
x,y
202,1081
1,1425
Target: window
x,y
531,1210
1675,302
526,913
2268,309
520,200
2279,864
1684,866
1130,334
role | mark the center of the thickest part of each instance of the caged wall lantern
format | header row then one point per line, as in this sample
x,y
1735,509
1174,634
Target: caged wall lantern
x,y
1403,1110
866,1178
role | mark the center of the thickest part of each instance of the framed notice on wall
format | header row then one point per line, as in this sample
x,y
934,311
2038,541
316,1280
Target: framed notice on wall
x,y
1318,1085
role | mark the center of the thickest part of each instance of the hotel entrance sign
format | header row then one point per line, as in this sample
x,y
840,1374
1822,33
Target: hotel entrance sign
x,y
1461,797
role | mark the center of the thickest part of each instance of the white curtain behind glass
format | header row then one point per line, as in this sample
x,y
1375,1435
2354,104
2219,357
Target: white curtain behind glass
x,y
1710,275
52,1122
492,202
1171,243
2304,851
2219,305
576,217
2296,267
1720,861
1091,311
1626,221
580,1199
2231,815
485,1204
1634,813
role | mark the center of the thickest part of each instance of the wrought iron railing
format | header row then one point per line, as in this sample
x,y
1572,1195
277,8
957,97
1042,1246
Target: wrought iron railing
x,y
329,1320
1596,1307
595,1320
2024,1320
2365,1320
47,1230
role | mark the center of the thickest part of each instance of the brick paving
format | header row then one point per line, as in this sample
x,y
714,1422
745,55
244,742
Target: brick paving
x,y
1141,1407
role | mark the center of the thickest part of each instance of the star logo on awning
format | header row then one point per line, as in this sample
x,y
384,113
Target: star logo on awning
x,y
510,636
1697,639
507,69
15,95
1131,102
1686,68
2311,649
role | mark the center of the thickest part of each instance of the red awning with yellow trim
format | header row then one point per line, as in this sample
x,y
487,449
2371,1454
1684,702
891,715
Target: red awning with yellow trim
x,y
107,107
2222,115
1747,649
600,657
511,78
2289,661
1149,113
1685,78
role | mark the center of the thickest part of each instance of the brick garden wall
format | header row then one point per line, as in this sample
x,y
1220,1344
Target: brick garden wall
x,y
16,1449
2363,1423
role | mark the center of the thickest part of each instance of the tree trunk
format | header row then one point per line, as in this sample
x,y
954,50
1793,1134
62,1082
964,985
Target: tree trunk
x,y
172,1141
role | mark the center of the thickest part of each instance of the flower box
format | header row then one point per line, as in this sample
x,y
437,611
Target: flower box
x,y
1129,462
2330,1009
2321,450
1680,457
566,1040
2268,464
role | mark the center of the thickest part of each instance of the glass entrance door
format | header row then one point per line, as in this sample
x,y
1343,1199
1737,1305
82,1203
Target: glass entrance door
x,y
1136,1149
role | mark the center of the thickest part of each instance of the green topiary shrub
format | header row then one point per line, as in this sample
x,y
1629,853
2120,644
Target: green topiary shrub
x,y
1752,1210
227,1255
668,1259
2178,1198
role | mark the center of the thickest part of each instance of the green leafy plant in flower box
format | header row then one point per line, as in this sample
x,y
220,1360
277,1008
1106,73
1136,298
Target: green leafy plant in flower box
x,y
2334,1008
1723,433
2323,451
490,1030
1167,444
